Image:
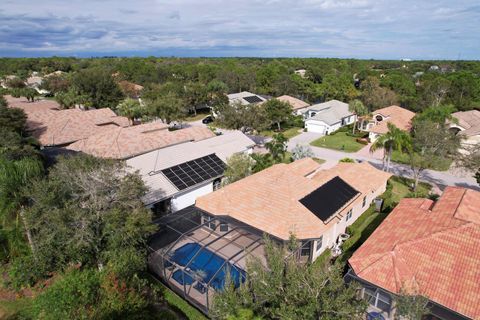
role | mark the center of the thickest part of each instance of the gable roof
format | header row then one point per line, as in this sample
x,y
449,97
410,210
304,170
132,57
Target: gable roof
x,y
270,199
294,102
468,120
123,143
432,248
149,164
396,115
330,112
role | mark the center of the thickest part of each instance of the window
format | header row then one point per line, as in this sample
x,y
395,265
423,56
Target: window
x,y
379,118
305,250
210,222
378,299
364,202
312,114
319,243
223,227
349,214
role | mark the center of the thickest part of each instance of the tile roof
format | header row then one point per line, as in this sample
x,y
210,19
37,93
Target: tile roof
x,y
294,102
223,146
269,200
53,126
433,248
330,112
123,143
468,120
396,115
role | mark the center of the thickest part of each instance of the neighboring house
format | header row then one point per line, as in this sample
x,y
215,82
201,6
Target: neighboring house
x,y
178,174
245,98
34,82
298,199
127,142
328,117
376,124
468,125
301,72
428,248
52,126
130,89
195,247
298,106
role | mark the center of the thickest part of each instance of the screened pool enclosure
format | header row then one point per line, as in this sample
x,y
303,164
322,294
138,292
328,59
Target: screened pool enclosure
x,y
193,253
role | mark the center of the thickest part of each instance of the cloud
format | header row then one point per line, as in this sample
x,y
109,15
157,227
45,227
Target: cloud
x,y
324,28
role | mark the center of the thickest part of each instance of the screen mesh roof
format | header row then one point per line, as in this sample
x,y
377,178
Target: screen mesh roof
x,y
325,201
253,99
195,171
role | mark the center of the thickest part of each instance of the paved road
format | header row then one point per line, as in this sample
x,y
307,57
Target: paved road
x,y
440,179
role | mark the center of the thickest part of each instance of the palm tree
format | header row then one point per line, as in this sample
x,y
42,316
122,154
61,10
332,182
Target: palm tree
x,y
14,177
356,106
394,139
130,108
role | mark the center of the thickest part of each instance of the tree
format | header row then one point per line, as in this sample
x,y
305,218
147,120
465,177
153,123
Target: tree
x,y
470,160
356,106
439,114
374,96
283,288
89,211
301,151
15,83
411,306
29,93
239,166
55,83
433,90
277,112
130,108
394,139
431,143
98,86
70,98
169,107
237,116
13,119
277,147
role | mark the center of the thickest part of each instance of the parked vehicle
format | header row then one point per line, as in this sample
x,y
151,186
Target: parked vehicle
x,y
207,120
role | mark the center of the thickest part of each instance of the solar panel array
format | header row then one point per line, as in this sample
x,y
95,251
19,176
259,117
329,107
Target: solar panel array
x,y
192,172
253,99
325,201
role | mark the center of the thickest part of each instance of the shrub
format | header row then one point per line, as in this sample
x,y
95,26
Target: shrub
x,y
347,160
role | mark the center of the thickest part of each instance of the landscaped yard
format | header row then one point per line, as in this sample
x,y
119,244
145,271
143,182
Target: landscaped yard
x,y
338,141
442,164
397,189
288,133
200,115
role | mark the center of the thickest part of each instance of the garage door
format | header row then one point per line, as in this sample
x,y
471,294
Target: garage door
x,y
315,127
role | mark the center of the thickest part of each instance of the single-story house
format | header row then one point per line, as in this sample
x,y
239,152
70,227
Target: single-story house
x,y
376,124
301,72
298,106
245,98
178,174
468,125
297,198
196,246
427,248
328,117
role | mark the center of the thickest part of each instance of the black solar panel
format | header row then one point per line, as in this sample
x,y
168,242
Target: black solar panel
x,y
253,99
192,172
329,198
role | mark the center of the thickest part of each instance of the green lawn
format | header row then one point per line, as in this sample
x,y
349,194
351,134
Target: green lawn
x,y
200,115
443,164
288,133
338,141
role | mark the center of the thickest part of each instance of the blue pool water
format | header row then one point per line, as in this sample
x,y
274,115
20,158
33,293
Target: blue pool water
x,y
208,262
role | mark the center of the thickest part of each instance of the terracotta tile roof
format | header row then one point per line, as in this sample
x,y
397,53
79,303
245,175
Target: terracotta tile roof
x,y
433,248
469,120
123,143
269,200
294,102
396,115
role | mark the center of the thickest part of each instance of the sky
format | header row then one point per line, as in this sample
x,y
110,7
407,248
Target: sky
x,y
367,29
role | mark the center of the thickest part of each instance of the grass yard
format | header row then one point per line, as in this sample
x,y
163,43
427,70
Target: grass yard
x,y
338,141
443,164
200,115
288,133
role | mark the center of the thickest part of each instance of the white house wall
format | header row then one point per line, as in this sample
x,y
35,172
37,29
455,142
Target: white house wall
x,y
181,201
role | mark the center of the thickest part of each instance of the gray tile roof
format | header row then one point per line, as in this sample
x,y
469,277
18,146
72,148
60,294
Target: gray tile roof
x,y
330,112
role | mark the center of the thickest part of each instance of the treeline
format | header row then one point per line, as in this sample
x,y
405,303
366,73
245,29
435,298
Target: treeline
x,y
415,85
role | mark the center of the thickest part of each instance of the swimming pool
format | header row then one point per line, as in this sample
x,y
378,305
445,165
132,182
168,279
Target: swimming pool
x,y
209,263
